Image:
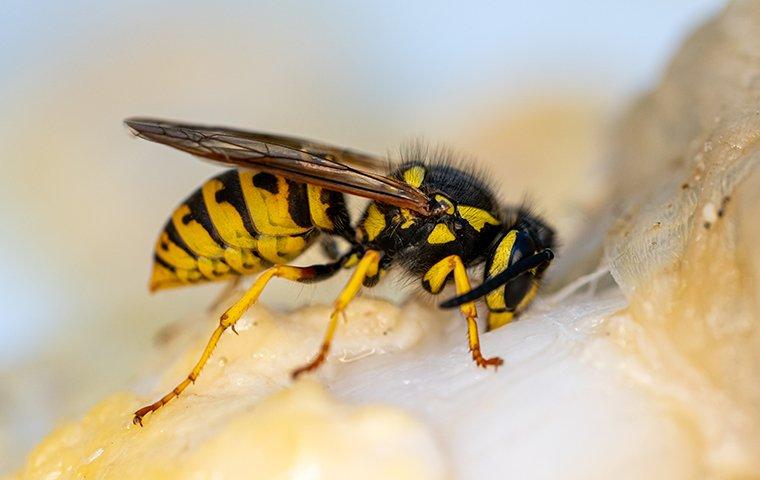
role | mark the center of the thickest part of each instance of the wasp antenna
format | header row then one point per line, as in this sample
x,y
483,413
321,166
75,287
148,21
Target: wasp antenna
x,y
513,271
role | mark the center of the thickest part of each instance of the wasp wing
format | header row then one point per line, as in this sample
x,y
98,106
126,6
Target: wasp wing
x,y
300,160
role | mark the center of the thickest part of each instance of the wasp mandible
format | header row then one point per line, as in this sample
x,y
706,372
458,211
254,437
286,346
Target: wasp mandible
x,y
429,216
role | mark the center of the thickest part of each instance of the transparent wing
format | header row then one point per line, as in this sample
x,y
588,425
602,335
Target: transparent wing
x,y
300,160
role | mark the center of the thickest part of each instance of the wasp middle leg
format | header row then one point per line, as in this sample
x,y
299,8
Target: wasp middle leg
x,y
368,266
228,319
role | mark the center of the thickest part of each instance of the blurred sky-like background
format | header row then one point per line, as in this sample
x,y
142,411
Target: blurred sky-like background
x,y
527,87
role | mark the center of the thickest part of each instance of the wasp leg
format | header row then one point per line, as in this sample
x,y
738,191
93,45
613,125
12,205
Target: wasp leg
x,y
470,312
225,292
299,274
367,267
434,281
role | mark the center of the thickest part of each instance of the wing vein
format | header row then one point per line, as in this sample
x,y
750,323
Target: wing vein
x,y
301,160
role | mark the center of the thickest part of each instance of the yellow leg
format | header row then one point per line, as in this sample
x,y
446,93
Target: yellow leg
x,y
462,282
227,320
367,266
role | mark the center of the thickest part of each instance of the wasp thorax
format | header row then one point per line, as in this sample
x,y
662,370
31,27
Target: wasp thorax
x,y
463,222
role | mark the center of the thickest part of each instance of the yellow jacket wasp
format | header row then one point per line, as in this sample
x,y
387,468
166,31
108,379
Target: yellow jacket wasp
x,y
427,216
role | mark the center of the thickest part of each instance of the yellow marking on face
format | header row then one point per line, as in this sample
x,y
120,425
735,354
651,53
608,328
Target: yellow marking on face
x,y
437,275
503,253
441,234
499,319
318,209
499,263
449,205
269,212
495,299
477,217
374,223
226,218
414,176
195,236
175,256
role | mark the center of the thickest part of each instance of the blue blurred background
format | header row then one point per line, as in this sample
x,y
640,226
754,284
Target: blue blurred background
x,y
528,87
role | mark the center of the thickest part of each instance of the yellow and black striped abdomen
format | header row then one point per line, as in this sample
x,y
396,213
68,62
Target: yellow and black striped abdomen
x,y
239,223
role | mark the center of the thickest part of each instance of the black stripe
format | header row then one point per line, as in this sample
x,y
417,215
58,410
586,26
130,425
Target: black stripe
x,y
298,204
199,213
232,193
305,234
164,263
337,213
262,261
501,310
266,181
174,236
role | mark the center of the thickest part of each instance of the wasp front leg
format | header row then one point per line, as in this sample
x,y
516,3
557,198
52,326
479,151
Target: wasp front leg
x,y
435,279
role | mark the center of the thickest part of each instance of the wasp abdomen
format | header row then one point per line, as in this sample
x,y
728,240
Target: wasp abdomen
x,y
239,223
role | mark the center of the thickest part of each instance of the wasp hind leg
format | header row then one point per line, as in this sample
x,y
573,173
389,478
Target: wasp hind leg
x,y
435,279
366,268
228,319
